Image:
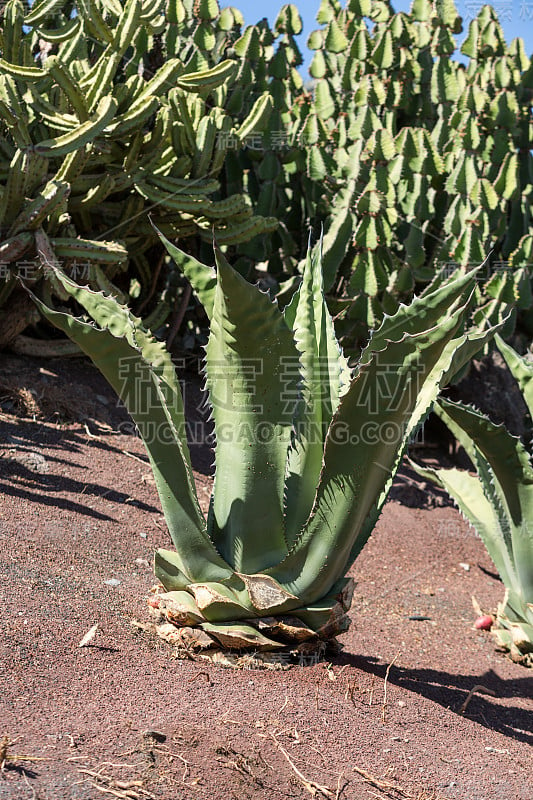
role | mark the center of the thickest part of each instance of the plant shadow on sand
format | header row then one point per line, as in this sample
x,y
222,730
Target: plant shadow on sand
x,y
23,483
452,690
25,472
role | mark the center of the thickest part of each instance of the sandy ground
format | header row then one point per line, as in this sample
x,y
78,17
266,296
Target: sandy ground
x,y
79,521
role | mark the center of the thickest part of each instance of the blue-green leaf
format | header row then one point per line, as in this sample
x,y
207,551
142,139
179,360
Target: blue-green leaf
x,y
252,378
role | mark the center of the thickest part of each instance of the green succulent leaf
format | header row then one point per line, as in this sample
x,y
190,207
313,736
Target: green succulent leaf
x,y
507,457
252,370
202,278
389,396
499,503
522,371
325,378
141,372
467,491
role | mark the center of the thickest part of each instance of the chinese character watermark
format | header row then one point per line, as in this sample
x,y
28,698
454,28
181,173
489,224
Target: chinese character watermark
x,y
31,269
497,267
273,140
526,10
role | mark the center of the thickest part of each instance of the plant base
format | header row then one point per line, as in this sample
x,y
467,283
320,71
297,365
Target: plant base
x,y
505,643
256,643
304,655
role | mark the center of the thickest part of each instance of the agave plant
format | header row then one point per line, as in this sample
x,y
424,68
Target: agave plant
x,y
498,502
306,448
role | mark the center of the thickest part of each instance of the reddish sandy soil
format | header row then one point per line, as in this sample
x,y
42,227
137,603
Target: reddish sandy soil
x,y
384,719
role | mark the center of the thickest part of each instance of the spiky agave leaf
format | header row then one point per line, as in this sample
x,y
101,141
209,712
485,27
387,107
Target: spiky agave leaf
x,y
467,492
141,372
201,277
521,369
498,502
388,398
251,365
325,378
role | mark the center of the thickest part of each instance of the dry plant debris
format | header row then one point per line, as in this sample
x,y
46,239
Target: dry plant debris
x,y
480,690
89,636
314,789
129,788
5,758
384,705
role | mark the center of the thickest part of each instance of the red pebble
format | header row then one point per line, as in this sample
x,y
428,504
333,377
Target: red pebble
x,y
484,623
153,601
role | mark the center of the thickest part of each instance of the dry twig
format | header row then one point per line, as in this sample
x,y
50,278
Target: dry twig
x,y
385,686
125,789
89,434
89,636
135,458
481,690
314,789
186,770
350,689
5,744
129,795
200,675
385,786
30,787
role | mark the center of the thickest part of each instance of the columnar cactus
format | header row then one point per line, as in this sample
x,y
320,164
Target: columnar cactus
x,y
439,152
180,109
102,124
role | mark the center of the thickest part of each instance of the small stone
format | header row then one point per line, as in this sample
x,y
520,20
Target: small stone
x,y
102,399
157,736
113,582
402,703
143,535
466,567
142,562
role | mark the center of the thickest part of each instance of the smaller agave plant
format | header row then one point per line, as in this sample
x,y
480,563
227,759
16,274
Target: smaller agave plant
x,y
498,502
306,447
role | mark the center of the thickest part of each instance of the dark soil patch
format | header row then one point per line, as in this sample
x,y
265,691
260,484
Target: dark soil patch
x,y
79,520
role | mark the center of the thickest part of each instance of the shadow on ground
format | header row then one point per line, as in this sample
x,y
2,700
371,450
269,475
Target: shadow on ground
x,y
451,690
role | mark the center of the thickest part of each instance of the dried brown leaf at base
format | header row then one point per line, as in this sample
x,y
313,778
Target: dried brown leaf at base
x,y
287,628
197,645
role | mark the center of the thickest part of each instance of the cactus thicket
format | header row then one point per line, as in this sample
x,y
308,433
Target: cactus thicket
x,y
109,119
432,153
410,158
